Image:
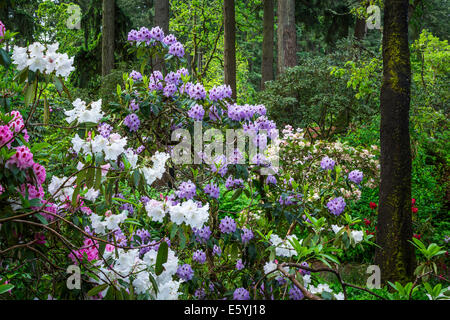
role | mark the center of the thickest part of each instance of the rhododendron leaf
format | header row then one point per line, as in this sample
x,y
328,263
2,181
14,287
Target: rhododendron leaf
x,y
236,195
136,178
41,219
75,195
29,93
98,179
96,290
161,258
153,281
5,288
173,231
133,221
58,84
90,178
5,60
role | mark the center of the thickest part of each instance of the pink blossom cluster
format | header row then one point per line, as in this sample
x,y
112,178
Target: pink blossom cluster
x,y
2,30
90,248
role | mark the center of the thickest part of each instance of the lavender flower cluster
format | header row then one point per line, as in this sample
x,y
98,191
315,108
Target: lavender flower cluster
x,y
336,205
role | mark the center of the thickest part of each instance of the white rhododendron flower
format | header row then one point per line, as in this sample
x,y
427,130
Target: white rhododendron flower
x,y
46,60
283,248
62,188
132,158
336,228
155,210
190,213
158,169
82,114
112,147
357,235
138,271
112,222
91,194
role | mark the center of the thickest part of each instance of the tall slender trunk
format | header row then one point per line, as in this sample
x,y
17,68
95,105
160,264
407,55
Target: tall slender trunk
x,y
287,39
360,29
268,43
161,18
230,45
396,257
107,37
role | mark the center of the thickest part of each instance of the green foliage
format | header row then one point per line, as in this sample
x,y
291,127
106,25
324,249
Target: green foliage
x,y
309,96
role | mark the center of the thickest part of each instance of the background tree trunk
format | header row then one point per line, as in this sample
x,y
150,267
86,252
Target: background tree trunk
x,y
229,45
360,29
268,43
396,257
287,39
161,18
107,37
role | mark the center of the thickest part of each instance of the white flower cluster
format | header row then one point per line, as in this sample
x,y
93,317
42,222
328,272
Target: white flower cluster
x,y
110,222
113,147
324,287
60,192
91,194
284,248
82,114
188,212
45,59
270,266
357,235
156,172
128,263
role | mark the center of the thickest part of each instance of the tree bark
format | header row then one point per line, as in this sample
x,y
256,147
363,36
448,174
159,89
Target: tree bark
x,y
230,45
287,39
360,29
268,43
396,257
107,37
161,18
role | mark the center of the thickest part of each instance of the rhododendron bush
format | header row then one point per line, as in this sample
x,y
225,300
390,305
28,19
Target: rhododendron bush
x,y
141,224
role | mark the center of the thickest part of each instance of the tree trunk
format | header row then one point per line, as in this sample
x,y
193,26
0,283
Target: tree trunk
x,y
396,257
107,37
268,43
287,39
360,29
161,18
229,45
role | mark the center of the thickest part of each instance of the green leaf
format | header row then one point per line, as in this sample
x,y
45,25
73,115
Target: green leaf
x,y
58,84
5,288
161,257
236,195
98,179
96,290
30,93
41,219
5,60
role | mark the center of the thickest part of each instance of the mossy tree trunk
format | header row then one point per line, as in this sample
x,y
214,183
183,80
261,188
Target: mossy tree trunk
x,y
396,257
107,36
